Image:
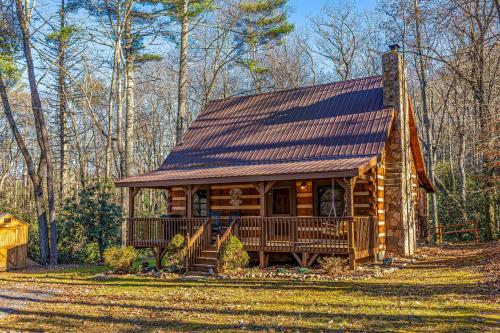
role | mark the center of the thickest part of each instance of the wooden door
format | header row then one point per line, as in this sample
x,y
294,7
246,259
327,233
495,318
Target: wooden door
x,y
281,208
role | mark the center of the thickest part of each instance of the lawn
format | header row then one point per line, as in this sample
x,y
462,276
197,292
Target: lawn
x,y
452,290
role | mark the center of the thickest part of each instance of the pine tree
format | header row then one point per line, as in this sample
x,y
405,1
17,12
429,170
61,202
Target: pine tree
x,y
265,23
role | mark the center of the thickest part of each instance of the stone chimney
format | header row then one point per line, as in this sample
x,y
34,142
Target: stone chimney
x,y
398,192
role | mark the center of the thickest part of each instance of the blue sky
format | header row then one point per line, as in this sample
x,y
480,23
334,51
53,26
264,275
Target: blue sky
x,y
302,9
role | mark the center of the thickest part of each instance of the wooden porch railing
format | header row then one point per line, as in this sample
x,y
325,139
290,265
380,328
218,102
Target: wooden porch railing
x,y
157,232
308,234
365,234
196,243
269,234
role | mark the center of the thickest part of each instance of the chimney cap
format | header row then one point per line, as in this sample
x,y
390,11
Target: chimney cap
x,y
394,47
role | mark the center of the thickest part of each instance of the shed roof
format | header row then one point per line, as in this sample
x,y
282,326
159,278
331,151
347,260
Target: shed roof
x,y
14,219
334,129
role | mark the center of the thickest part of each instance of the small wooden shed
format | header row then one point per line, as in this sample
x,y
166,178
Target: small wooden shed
x,y
13,242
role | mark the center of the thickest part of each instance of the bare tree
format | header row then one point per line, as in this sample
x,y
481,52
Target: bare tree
x,y
24,14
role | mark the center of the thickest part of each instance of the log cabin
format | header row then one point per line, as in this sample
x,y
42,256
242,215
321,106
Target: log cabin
x,y
330,169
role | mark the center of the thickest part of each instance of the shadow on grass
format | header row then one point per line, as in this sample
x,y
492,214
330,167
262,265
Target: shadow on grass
x,y
267,320
374,287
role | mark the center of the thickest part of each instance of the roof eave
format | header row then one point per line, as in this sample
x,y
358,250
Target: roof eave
x,y
242,179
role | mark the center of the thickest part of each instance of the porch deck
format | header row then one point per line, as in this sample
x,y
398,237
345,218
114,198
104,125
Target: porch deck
x,y
319,235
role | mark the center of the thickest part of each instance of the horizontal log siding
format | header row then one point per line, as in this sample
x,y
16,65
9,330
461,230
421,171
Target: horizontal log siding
x,y
365,196
220,200
178,201
305,202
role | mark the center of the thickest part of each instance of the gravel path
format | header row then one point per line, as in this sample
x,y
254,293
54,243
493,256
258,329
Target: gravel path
x,y
12,300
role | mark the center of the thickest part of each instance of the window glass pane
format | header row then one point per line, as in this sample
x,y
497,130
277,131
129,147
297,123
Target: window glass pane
x,y
325,201
281,201
200,203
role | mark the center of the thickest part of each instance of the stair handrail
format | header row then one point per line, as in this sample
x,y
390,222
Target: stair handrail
x,y
195,244
221,242
228,233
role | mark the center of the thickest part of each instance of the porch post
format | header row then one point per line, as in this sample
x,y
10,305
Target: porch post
x,y
189,194
350,212
263,256
168,196
128,224
263,201
131,200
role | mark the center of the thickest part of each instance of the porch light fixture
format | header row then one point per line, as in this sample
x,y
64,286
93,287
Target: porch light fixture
x,y
303,185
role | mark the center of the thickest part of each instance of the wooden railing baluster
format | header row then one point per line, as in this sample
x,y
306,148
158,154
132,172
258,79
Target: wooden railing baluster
x,y
294,234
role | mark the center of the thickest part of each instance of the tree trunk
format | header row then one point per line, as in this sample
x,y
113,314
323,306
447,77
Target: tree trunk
x,y
129,111
111,110
34,176
41,127
429,145
61,82
182,94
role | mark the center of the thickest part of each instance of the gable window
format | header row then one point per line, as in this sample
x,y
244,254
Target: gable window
x,y
325,200
200,203
281,201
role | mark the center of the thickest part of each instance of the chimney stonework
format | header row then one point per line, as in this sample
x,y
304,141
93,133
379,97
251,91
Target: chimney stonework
x,y
399,175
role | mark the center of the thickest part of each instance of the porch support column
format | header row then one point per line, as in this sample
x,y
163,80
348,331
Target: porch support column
x,y
128,225
168,196
263,188
263,259
189,195
131,200
349,188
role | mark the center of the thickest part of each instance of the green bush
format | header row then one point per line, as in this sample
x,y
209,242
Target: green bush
x,y
233,256
120,259
333,265
176,250
88,223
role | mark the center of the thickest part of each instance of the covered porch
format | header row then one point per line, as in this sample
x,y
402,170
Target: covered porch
x,y
304,217
304,237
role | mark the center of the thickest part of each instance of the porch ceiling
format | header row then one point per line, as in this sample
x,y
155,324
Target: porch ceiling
x,y
277,170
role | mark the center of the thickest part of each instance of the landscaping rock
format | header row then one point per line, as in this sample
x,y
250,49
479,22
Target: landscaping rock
x,y
102,277
388,261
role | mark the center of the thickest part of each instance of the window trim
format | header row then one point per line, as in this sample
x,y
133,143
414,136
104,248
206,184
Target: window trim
x,y
316,198
208,203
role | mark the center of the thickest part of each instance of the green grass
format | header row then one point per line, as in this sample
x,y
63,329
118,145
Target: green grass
x,y
444,295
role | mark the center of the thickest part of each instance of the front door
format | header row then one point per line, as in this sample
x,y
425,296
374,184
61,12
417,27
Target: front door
x,y
280,206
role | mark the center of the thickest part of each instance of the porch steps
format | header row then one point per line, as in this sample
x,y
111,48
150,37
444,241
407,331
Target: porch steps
x,y
206,262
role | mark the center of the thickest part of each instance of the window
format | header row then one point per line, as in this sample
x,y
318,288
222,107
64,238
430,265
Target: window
x,y
200,203
281,201
325,200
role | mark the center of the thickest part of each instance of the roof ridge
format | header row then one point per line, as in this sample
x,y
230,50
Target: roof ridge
x,y
293,89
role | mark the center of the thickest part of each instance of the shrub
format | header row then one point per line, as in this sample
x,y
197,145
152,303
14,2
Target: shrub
x,y
233,256
333,265
176,250
88,223
120,259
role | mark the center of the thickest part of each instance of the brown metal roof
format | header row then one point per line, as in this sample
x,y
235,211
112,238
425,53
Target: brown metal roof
x,y
312,169
332,127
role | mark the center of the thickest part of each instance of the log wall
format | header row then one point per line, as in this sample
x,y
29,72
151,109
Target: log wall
x,y
365,198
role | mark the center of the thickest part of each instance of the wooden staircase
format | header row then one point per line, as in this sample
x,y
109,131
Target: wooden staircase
x,y
206,263
204,248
